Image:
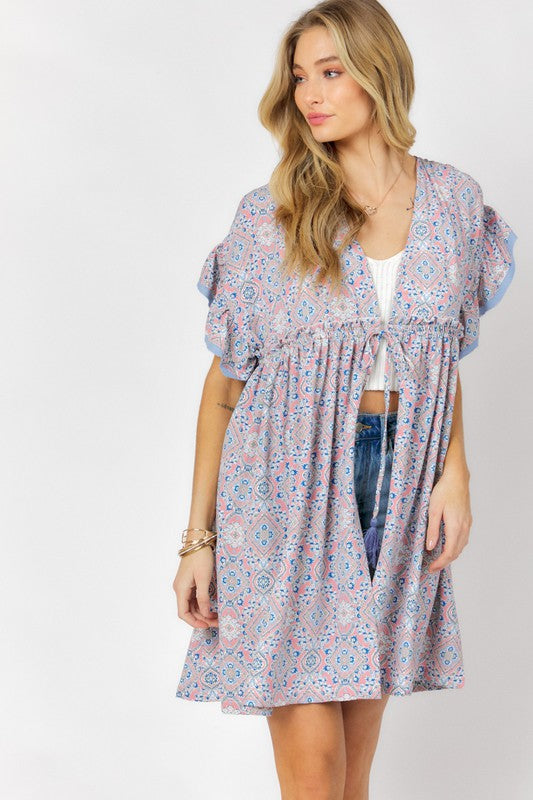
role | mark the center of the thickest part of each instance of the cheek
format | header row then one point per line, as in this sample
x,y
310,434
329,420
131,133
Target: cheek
x,y
351,99
298,99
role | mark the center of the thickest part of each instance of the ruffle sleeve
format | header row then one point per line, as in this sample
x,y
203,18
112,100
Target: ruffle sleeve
x,y
225,280
491,271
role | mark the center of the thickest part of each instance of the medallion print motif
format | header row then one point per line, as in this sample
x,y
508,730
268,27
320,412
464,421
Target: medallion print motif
x,y
300,620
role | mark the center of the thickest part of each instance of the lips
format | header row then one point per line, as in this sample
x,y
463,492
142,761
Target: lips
x,y
318,119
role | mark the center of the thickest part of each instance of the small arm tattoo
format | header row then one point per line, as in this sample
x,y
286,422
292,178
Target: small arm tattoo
x,y
225,405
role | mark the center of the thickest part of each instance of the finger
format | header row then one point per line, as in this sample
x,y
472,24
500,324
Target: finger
x,y
211,620
432,533
202,597
184,597
194,621
449,553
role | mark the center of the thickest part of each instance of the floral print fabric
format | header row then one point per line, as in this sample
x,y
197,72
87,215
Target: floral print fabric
x,y
300,619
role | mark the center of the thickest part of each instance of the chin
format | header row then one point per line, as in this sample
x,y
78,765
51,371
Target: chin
x,y
327,135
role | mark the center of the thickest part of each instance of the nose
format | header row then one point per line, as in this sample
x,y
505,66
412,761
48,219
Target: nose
x,y
313,93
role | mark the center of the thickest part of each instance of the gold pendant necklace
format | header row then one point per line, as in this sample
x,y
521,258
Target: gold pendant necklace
x,y
368,209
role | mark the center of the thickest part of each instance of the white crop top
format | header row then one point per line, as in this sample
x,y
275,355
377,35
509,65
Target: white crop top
x,y
384,272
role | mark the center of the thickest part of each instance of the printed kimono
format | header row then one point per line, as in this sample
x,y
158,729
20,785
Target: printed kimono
x,y
300,620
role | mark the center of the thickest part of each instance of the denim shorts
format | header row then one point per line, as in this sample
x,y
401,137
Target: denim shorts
x,y
366,468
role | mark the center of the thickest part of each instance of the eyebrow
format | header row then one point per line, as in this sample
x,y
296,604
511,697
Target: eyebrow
x,y
320,61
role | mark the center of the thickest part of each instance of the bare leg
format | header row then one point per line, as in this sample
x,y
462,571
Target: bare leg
x,y
362,723
309,750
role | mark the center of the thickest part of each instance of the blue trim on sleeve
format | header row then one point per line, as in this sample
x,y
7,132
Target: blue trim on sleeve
x,y
468,349
214,348
205,291
495,299
211,346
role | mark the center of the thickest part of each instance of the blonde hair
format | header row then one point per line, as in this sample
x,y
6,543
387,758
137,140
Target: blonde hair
x,y
308,184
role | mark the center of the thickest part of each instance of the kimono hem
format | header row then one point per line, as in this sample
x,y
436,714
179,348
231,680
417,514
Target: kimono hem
x,y
300,619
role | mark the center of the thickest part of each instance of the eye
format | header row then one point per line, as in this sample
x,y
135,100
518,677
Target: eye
x,y
296,78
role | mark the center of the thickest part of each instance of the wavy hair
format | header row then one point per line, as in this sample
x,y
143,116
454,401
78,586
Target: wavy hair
x,y
308,183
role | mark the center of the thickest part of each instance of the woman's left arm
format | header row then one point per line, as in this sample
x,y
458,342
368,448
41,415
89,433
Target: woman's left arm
x,y
450,497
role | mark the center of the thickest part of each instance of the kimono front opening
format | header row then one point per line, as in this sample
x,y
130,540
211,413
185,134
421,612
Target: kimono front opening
x,y
300,620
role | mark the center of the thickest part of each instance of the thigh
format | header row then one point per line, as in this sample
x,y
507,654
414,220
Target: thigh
x,y
309,747
362,717
362,724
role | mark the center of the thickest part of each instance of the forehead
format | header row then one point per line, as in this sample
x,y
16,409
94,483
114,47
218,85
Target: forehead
x,y
315,46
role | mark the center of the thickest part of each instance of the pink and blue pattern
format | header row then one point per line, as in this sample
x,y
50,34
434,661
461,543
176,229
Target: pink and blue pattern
x,y
300,621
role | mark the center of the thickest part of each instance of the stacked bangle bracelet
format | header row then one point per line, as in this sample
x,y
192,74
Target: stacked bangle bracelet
x,y
209,538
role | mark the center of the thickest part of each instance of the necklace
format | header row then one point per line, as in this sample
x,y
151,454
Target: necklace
x,y
372,209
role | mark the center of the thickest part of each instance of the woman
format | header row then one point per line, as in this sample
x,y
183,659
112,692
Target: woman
x,y
330,442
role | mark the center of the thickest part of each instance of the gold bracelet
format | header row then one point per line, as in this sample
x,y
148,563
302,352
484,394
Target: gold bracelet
x,y
186,530
201,540
183,553
195,544
206,540
190,548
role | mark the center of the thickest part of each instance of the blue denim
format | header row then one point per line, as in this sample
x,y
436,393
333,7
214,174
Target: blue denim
x,y
366,469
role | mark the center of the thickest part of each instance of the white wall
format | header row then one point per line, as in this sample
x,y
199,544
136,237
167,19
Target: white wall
x,y
125,126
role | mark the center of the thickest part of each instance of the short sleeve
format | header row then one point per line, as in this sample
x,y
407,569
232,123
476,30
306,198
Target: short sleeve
x,y
490,271
226,281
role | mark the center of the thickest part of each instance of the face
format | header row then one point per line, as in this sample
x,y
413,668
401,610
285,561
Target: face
x,y
324,88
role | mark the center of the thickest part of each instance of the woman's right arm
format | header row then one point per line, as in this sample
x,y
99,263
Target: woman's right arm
x,y
191,584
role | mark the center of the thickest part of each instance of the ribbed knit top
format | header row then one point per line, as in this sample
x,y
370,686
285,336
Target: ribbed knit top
x,y
384,272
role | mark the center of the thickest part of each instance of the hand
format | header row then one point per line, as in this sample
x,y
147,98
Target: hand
x,y
449,501
191,586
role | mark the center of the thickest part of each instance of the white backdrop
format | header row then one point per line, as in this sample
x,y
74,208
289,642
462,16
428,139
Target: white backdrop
x,y
125,126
